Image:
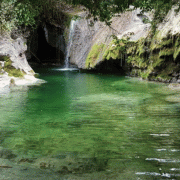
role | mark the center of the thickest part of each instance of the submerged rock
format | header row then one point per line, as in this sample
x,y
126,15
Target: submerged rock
x,y
6,154
72,165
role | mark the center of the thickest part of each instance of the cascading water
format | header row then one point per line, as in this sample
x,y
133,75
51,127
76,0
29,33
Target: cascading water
x,y
69,49
70,41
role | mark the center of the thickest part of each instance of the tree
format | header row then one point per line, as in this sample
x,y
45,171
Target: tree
x,y
106,9
26,12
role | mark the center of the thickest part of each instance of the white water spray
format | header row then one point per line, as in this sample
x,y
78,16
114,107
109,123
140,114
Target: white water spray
x,y
70,41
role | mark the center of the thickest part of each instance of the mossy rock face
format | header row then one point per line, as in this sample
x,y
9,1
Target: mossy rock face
x,y
163,78
159,42
140,50
166,52
15,73
115,50
94,55
176,48
11,70
36,75
154,58
158,62
4,58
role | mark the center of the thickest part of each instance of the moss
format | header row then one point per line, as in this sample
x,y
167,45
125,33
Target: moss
x,y
93,55
149,59
177,42
166,52
12,71
159,42
137,61
131,49
32,72
165,74
135,72
155,60
170,68
68,18
163,78
15,73
176,52
36,75
144,74
4,58
140,47
12,81
155,41
167,43
138,54
116,49
111,53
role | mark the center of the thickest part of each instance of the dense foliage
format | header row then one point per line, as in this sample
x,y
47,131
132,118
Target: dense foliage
x,y
16,13
106,9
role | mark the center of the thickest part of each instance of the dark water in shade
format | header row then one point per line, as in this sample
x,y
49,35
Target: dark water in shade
x,y
133,124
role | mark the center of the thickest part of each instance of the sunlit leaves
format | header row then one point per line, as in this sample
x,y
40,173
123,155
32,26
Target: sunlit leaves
x,y
25,12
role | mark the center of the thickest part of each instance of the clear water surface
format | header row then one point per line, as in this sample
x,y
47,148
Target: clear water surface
x,y
134,125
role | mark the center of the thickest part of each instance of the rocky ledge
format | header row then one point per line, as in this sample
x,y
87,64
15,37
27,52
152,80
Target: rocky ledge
x,y
14,68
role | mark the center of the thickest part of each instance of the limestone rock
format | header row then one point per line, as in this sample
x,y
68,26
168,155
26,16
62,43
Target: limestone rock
x,y
171,23
6,154
85,36
15,49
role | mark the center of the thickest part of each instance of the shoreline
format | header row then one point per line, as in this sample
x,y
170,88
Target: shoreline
x,y
7,82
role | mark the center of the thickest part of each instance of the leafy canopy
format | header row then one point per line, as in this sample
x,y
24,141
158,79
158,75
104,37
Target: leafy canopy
x,y
106,9
26,12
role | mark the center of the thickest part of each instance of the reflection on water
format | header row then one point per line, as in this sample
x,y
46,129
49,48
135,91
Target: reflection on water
x,y
131,127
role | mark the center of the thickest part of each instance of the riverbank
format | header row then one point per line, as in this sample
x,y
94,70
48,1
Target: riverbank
x,y
7,82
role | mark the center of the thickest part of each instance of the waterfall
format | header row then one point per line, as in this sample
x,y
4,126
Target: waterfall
x,y
70,41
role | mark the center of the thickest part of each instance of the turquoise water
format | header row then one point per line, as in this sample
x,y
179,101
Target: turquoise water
x,y
131,124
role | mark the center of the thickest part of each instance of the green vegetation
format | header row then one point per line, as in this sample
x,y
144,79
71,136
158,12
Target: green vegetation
x,y
105,10
16,13
166,52
12,81
116,49
25,13
150,59
12,71
93,55
158,59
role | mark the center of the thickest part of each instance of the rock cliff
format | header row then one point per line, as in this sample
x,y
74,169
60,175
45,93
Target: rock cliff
x,y
129,45
13,56
150,55
86,36
14,67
